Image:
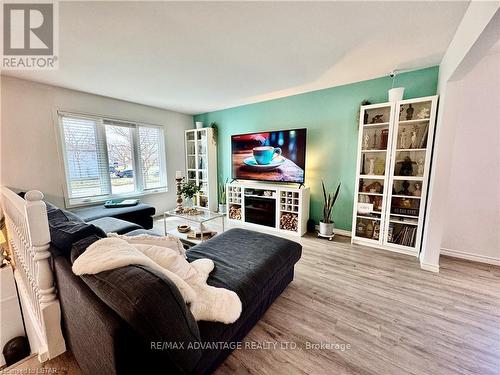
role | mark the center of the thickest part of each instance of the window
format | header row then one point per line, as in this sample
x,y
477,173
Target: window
x,y
120,158
106,158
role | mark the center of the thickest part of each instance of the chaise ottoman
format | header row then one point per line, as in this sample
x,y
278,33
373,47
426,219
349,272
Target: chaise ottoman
x,y
258,267
140,214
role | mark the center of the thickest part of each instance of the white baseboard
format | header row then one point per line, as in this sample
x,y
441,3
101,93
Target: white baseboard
x,y
470,256
340,232
429,267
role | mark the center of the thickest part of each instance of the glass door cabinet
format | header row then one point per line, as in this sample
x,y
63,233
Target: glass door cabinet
x,y
394,150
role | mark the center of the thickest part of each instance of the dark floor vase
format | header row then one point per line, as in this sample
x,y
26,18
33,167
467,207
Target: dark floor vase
x,y
16,349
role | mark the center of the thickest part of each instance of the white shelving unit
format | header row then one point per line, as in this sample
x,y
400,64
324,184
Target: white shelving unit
x,y
201,165
392,173
286,209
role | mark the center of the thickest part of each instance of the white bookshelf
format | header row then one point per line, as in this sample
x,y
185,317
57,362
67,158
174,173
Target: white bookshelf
x,y
392,176
291,205
201,166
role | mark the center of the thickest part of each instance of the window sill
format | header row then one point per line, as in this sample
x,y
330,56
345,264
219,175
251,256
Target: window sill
x,y
92,201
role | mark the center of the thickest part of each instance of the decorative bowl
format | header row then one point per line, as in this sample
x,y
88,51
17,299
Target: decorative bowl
x,y
183,228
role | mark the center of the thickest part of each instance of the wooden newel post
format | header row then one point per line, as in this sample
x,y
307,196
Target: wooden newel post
x,y
29,236
38,229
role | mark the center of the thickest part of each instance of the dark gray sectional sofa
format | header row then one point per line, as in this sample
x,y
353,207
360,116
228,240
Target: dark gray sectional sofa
x,y
133,320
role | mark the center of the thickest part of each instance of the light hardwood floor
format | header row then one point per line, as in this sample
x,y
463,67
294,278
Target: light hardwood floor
x,y
390,317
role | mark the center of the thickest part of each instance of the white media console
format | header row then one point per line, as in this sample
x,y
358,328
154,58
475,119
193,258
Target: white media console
x,y
279,207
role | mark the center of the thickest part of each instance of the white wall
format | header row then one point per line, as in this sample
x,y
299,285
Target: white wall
x,y
29,154
472,216
467,47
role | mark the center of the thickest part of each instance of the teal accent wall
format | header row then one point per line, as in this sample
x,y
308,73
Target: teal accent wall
x,y
331,119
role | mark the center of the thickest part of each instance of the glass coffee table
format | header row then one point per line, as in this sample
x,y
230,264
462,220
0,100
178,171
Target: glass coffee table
x,y
199,219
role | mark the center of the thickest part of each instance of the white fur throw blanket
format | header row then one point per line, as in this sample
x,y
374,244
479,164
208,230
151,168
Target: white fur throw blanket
x,y
205,302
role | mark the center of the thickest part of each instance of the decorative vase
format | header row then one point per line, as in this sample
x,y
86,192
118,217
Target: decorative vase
x,y
396,94
326,229
199,124
222,208
188,202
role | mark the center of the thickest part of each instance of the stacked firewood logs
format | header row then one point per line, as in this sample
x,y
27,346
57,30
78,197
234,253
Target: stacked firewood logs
x,y
289,221
235,212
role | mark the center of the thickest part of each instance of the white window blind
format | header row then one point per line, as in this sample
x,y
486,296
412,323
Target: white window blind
x,y
106,158
152,157
85,160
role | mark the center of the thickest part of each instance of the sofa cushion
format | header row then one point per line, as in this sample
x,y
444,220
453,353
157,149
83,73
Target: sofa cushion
x,y
152,305
66,228
113,225
140,214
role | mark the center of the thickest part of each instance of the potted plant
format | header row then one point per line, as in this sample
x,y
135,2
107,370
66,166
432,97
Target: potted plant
x,y
189,190
222,198
326,224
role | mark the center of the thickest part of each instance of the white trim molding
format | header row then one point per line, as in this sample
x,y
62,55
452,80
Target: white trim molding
x,y
470,256
429,267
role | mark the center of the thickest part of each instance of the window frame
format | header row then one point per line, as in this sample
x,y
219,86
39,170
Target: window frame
x,y
102,146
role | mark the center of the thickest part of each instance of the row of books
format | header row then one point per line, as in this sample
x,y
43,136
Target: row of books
x,y
406,236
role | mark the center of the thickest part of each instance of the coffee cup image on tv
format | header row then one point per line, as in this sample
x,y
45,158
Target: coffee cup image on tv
x,y
264,154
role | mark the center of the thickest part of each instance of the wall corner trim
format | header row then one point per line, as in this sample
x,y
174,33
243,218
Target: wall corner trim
x,y
429,267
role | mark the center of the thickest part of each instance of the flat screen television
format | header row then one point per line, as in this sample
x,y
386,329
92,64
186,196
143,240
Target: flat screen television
x,y
278,156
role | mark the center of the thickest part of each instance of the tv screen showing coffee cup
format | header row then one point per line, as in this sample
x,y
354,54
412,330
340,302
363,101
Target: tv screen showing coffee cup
x,y
269,156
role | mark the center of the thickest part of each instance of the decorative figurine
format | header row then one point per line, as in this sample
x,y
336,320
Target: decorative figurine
x,y
361,228
409,112
406,167
371,168
369,229
402,139
413,143
423,113
374,187
377,119
390,233
405,190
376,231
367,141
420,167
417,191
375,139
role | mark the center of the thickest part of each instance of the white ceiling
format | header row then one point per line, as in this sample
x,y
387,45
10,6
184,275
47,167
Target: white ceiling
x,y
195,57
